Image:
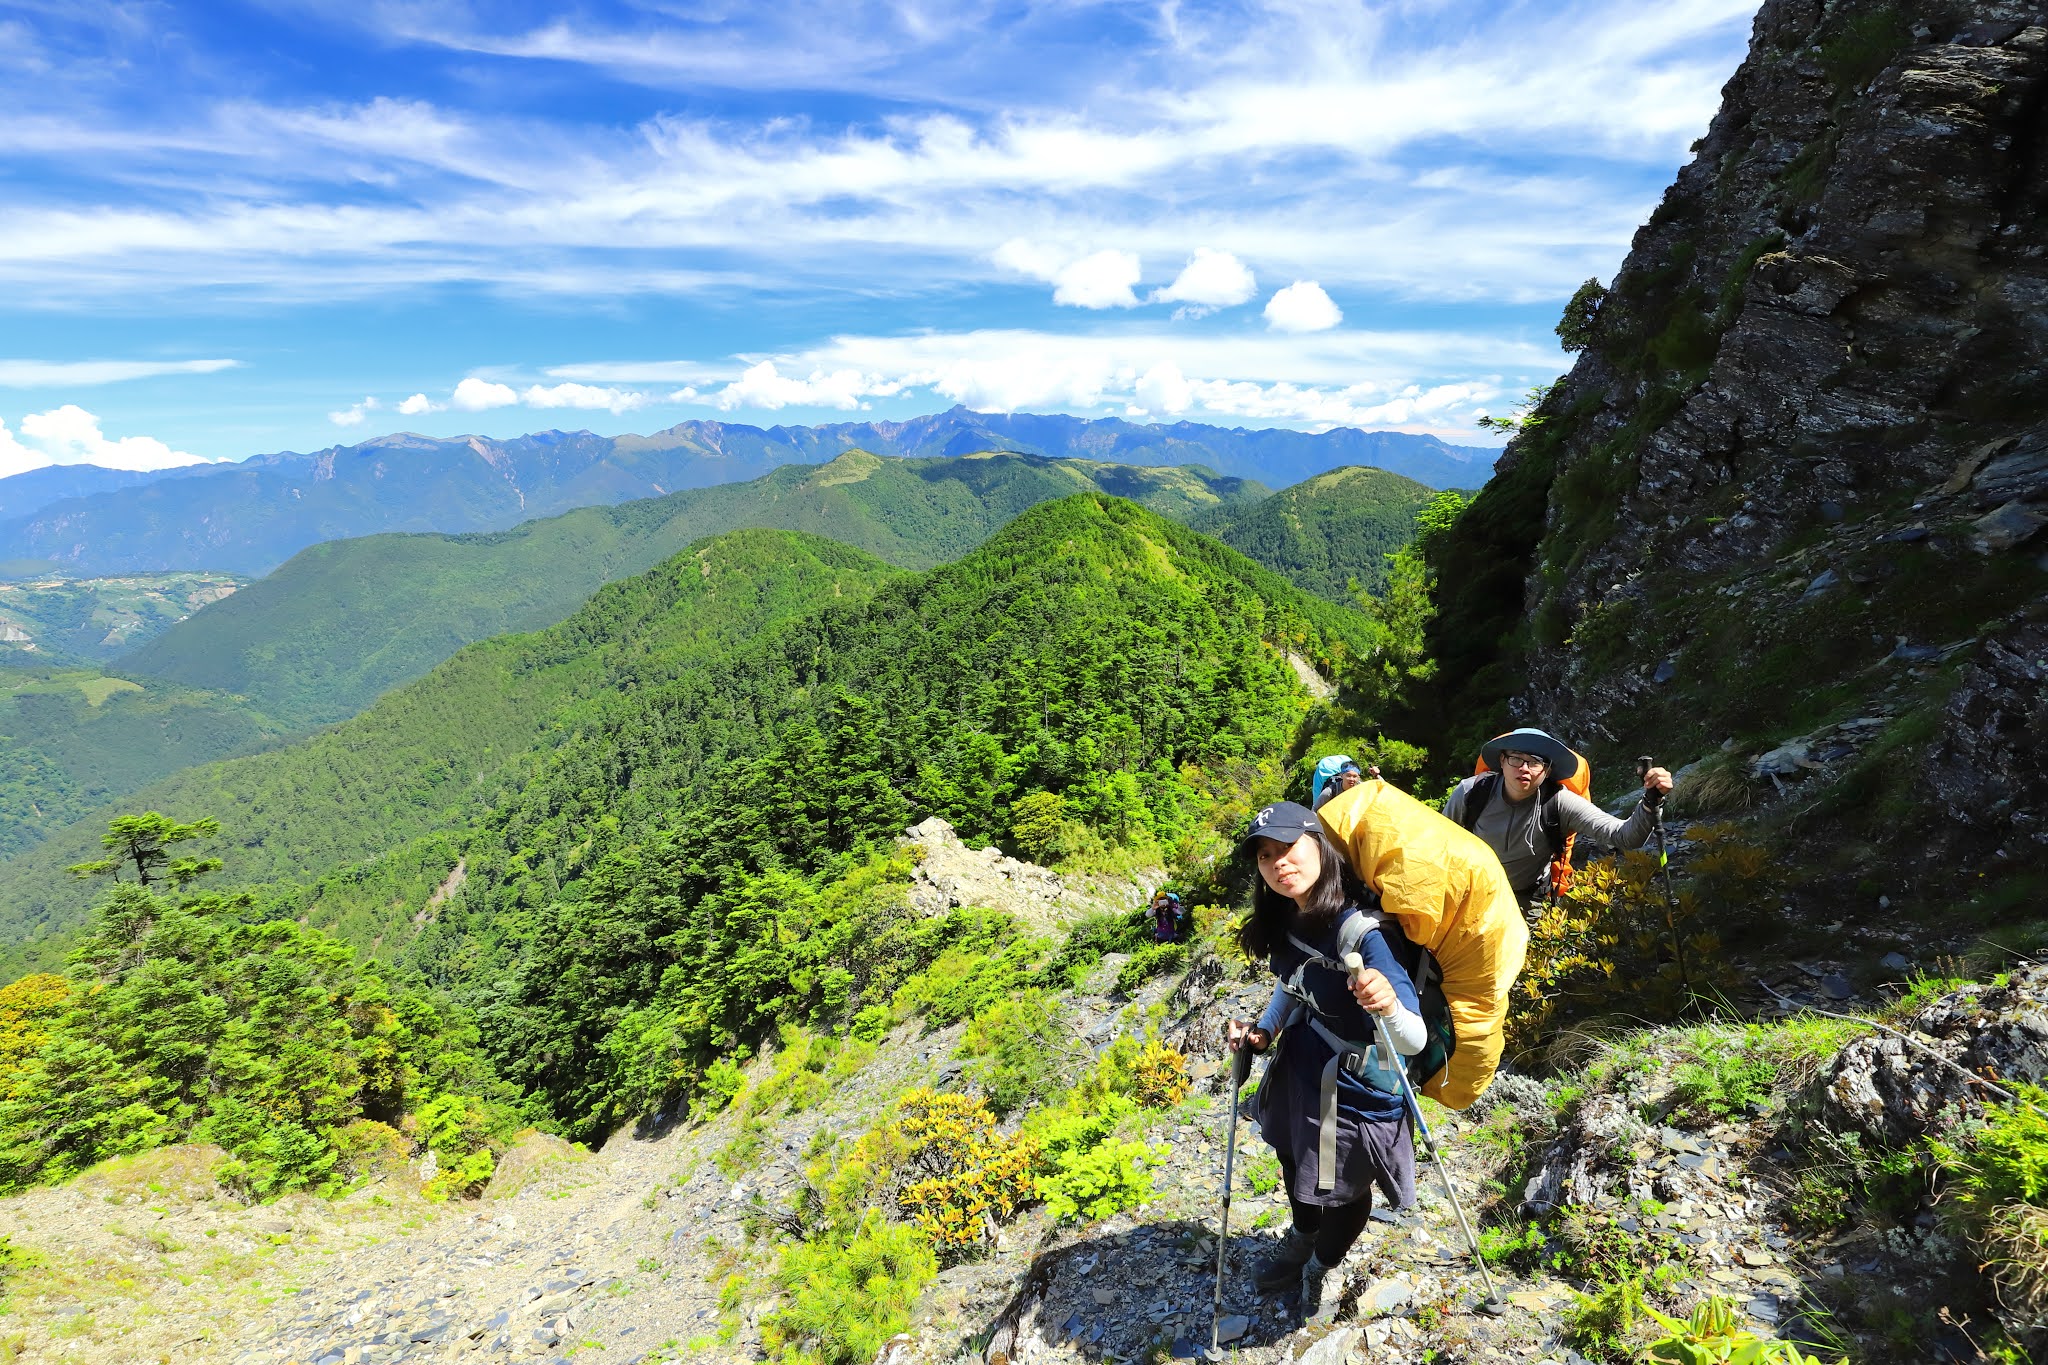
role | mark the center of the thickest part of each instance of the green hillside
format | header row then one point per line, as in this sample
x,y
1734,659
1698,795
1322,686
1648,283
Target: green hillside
x,y
1326,532
54,621
1094,676
344,621
75,738
427,755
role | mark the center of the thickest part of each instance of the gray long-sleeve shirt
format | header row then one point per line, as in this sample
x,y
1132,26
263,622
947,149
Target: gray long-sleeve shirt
x,y
1512,831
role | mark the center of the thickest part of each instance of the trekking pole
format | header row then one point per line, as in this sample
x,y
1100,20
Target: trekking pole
x,y
1240,1067
1492,1306
1655,801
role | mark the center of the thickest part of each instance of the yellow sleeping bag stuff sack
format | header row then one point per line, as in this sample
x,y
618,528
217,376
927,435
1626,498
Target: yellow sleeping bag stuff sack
x,y
1448,891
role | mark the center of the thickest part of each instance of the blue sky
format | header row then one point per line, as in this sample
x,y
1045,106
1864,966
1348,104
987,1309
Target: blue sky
x,y
231,228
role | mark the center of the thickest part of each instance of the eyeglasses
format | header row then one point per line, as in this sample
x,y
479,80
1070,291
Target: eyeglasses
x,y
1511,759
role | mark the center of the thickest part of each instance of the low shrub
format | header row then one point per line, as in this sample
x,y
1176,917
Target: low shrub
x,y
1026,1050
1154,959
1714,1335
843,1300
973,1177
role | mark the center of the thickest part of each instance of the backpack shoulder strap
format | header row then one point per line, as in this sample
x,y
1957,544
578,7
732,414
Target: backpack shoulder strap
x,y
1553,823
1477,798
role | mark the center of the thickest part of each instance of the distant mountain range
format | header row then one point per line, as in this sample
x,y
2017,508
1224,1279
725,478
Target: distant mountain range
x,y
343,621
251,516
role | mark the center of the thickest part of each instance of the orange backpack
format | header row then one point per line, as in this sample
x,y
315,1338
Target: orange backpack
x,y
1579,784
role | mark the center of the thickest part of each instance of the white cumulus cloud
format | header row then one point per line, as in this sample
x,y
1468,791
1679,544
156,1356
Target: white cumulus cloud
x,y
417,404
581,396
1210,279
763,386
1101,279
71,435
481,395
354,413
1302,307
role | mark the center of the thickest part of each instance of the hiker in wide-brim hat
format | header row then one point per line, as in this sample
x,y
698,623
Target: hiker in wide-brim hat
x,y
1329,1105
1521,808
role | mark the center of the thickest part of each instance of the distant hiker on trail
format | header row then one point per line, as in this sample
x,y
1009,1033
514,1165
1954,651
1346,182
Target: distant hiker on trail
x,y
1527,804
1166,917
1329,1105
1334,776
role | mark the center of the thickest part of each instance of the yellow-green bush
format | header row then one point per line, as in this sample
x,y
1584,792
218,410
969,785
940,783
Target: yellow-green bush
x,y
973,1178
1714,1335
843,1300
1089,1172
1605,947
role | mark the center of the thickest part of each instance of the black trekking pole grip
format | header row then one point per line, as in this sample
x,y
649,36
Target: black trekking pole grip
x,y
1643,766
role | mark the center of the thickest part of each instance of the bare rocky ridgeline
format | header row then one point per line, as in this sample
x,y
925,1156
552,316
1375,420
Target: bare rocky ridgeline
x,y
622,1255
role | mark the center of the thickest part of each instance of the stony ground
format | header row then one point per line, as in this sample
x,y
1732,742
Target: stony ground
x,y
626,1254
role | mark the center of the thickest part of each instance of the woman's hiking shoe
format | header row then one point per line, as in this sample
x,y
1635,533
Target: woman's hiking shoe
x,y
1321,1288
1282,1269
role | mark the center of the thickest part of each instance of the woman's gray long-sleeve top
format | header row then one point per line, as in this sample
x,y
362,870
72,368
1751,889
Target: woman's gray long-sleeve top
x,y
1512,831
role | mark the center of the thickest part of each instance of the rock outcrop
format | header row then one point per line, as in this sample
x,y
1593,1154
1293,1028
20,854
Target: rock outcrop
x,y
1804,449
949,875
1891,1091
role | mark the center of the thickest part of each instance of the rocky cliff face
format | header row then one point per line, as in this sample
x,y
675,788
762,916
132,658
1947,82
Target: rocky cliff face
x,y
1799,471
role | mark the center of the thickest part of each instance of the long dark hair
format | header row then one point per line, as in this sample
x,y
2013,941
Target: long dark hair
x,y
1273,914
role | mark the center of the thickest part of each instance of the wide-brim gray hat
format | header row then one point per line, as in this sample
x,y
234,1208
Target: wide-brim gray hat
x,y
1564,764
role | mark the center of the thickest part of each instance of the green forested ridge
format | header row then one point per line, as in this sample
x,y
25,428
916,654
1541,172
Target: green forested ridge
x,y
449,744
679,858
687,856
182,1020
1325,533
76,739
343,621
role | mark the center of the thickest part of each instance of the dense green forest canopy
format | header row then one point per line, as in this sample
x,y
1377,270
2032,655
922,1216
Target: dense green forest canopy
x,y
439,749
77,739
1328,533
1093,661
344,621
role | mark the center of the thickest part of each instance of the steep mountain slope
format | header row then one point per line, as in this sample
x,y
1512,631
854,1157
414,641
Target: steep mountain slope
x,y
1326,532
317,640
252,516
1797,475
430,754
1094,676
75,739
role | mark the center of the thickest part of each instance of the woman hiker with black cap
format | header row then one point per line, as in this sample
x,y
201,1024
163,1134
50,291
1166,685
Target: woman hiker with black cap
x,y
1329,1105
1503,808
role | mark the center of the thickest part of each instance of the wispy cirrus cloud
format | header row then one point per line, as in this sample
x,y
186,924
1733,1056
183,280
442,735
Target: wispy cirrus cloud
x,y
1342,116
1057,203
37,374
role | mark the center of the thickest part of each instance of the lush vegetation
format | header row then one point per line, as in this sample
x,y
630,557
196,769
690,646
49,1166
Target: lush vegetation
x,y
183,1019
681,872
1329,533
344,621
78,739
430,755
